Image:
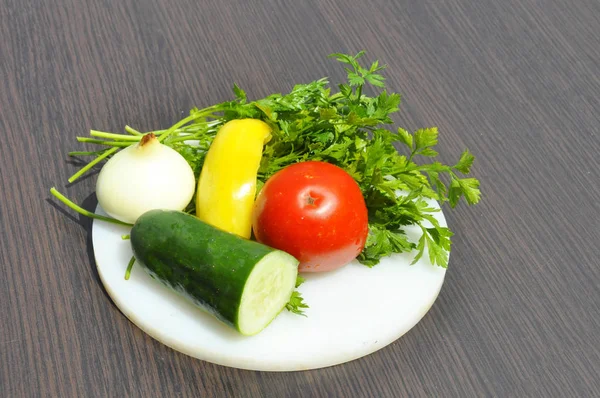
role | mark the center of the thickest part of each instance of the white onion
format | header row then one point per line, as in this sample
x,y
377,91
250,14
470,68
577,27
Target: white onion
x,y
142,177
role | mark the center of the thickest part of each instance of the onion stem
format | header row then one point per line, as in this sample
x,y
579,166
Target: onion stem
x,y
83,211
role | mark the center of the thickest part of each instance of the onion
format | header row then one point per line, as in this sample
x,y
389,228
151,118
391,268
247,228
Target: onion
x,y
142,177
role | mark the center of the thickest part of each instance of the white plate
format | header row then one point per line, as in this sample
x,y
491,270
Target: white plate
x,y
353,312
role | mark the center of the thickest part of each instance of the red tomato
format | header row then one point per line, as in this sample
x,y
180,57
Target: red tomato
x,y
314,211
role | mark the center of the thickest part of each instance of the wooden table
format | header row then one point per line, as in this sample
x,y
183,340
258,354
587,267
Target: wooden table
x,y
517,82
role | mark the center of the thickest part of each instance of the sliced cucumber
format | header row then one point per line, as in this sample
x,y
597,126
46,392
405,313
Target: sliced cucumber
x,y
243,283
265,293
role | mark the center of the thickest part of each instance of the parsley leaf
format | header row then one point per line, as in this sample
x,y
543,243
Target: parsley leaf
x,y
296,304
465,162
425,138
381,242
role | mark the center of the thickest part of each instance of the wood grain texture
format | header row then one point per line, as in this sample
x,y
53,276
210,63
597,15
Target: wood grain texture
x,y
517,82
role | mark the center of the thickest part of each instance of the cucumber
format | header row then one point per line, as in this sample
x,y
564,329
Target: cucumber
x,y
243,283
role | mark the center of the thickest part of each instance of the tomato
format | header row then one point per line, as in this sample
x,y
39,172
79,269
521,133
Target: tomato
x,y
314,211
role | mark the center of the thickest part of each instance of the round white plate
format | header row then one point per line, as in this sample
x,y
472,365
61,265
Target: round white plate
x,y
353,312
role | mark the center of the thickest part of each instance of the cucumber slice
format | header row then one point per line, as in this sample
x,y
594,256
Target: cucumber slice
x,y
267,291
243,283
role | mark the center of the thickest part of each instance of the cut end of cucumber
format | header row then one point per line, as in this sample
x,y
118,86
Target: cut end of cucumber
x,y
267,291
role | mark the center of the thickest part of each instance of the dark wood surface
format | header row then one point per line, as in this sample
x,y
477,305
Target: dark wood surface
x,y
517,82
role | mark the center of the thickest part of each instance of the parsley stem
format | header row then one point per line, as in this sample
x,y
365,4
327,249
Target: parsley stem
x,y
177,131
176,126
358,93
114,136
180,138
129,268
132,131
204,113
83,211
193,128
412,155
92,164
103,142
440,168
88,153
190,137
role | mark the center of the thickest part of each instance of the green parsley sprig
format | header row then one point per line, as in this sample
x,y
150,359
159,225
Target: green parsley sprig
x,y
296,304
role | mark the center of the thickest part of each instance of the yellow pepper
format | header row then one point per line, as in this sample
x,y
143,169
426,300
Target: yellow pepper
x,y
227,184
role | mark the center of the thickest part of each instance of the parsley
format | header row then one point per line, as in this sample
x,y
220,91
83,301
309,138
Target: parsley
x,y
351,130
296,303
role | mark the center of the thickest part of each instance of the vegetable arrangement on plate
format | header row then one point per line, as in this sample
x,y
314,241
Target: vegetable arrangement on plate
x,y
302,182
